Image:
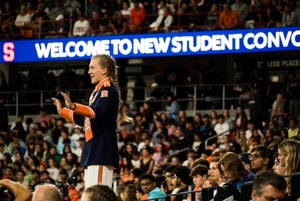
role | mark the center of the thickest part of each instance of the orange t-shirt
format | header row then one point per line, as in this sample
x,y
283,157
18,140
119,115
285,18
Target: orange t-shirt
x,y
73,194
137,16
144,197
229,19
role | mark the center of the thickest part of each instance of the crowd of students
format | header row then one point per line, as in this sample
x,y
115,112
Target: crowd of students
x,y
35,19
160,154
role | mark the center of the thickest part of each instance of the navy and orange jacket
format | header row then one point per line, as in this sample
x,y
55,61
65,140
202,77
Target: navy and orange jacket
x,y
99,122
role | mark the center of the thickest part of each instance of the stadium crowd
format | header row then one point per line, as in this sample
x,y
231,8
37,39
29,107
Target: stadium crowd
x,y
71,18
166,151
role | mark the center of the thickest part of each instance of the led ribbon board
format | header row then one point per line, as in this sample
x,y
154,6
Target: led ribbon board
x,y
153,45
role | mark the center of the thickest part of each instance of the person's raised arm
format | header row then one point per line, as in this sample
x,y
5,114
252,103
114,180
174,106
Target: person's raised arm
x,y
19,191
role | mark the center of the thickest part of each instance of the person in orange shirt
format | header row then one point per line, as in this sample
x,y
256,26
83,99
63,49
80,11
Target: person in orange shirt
x,y
199,174
137,17
229,19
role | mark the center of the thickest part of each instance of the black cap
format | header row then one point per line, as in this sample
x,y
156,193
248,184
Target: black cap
x,y
245,157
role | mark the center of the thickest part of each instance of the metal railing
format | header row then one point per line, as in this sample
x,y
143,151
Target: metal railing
x,y
115,179
245,193
192,97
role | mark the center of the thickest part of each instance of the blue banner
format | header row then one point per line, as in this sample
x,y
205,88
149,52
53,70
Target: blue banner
x,y
153,45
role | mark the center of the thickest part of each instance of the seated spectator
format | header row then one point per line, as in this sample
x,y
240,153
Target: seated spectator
x,y
93,6
199,174
196,18
242,9
56,10
160,14
99,193
182,20
229,19
96,25
269,184
7,12
293,127
165,24
287,16
126,171
148,184
261,159
211,21
275,17
289,157
11,31
277,168
232,169
40,19
23,18
181,180
129,192
70,6
119,24
81,27
216,179
126,11
137,17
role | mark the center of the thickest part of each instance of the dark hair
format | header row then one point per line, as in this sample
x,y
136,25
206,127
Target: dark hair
x,y
101,193
268,178
200,161
265,152
183,173
147,176
232,163
199,170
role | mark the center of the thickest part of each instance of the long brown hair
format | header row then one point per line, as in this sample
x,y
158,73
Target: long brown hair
x,y
108,62
234,164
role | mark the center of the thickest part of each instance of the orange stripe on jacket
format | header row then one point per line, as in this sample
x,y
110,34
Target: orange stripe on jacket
x,y
67,114
85,111
100,172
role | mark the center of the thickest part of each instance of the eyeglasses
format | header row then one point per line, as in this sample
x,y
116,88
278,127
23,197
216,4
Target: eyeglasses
x,y
174,177
146,184
254,157
168,176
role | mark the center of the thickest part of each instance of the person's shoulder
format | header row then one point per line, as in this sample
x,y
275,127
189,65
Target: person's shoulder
x,y
107,84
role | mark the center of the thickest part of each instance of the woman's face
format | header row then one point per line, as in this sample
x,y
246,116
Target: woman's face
x,y
281,157
52,151
214,7
228,174
278,169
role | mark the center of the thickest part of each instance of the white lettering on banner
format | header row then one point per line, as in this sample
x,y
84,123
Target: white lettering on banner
x,y
280,63
170,45
115,43
290,63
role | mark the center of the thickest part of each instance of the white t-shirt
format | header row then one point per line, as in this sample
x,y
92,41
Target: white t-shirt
x,y
81,28
21,20
53,173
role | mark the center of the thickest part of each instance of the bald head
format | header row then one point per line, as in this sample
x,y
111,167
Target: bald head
x,y
47,192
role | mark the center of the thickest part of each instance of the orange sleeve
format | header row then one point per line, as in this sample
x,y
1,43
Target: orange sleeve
x,y
132,15
84,111
67,114
236,18
143,15
221,19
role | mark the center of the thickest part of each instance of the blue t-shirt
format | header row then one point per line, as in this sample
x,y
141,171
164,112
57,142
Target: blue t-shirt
x,y
156,193
238,184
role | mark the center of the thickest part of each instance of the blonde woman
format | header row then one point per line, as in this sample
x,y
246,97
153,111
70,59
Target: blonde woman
x,y
289,157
